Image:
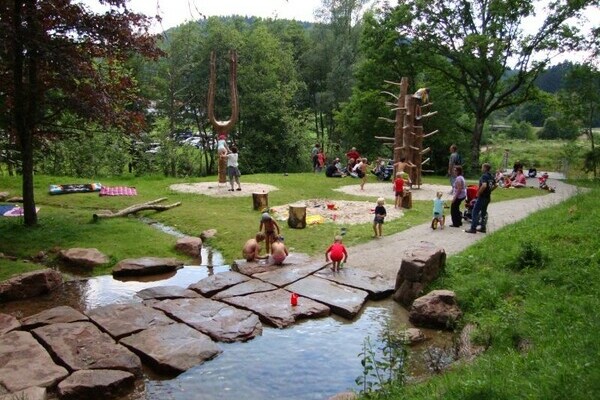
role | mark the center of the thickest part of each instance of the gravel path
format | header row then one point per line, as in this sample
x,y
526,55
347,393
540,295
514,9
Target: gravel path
x,y
385,255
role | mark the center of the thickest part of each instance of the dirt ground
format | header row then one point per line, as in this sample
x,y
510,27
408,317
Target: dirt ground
x,y
317,210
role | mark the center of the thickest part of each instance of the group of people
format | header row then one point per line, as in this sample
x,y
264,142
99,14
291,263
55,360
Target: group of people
x,y
270,233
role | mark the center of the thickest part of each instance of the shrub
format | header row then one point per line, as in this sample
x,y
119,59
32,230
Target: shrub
x,y
530,256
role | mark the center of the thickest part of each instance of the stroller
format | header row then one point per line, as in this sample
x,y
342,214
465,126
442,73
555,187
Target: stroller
x,y
384,170
470,201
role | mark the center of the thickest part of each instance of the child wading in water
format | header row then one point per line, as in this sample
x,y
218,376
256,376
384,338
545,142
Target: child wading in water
x,y
336,253
399,189
271,230
380,214
438,212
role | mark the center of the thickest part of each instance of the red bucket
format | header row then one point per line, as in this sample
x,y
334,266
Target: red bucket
x,y
330,206
294,299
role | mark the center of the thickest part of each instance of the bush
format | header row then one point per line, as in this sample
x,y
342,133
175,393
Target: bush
x,y
555,128
521,130
530,256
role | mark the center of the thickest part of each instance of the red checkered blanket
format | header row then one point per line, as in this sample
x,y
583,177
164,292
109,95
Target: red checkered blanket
x,y
118,191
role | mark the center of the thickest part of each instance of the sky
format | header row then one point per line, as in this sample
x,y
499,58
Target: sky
x,y
175,12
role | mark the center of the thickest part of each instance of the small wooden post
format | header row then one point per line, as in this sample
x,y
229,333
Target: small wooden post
x,y
407,200
297,216
260,201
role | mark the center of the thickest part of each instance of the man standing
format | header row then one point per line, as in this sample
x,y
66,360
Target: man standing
x,y
486,185
454,160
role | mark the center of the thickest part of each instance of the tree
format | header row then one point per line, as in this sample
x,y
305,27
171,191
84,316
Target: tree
x,y
581,99
482,48
58,57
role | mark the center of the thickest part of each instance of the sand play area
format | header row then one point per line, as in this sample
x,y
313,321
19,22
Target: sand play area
x,y
323,210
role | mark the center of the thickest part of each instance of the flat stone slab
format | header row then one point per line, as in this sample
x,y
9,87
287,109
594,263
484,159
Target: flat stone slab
x,y
248,287
30,284
377,286
217,282
173,348
251,268
146,266
96,384
289,273
343,300
53,316
166,292
121,320
31,393
274,307
81,257
25,363
81,345
220,321
8,323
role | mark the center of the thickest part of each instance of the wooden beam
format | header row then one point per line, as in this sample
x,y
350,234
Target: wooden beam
x,y
425,151
414,148
431,133
390,93
393,83
391,121
425,161
385,138
400,148
429,114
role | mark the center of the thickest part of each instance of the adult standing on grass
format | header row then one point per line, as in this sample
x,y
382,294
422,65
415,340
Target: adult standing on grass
x,y
487,184
460,193
453,161
233,172
353,154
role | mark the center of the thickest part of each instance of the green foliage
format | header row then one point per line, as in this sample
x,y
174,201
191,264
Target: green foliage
x,y
384,366
521,130
558,128
591,160
530,256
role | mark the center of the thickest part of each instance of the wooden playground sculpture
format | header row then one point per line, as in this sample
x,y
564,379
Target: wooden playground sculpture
x,y
408,131
223,127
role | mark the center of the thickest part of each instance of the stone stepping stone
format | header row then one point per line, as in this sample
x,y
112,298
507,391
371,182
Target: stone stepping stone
x,y
252,268
275,309
289,274
220,321
343,300
248,287
32,393
85,258
121,320
53,316
96,384
377,286
217,282
81,345
146,266
173,348
25,363
166,292
8,323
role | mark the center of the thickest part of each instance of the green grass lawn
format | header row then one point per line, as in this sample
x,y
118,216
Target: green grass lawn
x,y
66,220
531,289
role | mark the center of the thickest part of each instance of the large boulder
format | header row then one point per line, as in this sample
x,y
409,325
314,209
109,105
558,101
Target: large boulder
x,y
146,266
96,384
420,266
80,257
30,284
25,363
189,245
437,309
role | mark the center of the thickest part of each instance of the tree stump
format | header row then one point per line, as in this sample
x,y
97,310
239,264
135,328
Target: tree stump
x,y
407,200
297,216
260,201
222,169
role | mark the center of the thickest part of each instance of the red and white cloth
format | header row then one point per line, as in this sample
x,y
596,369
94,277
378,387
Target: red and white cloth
x,y
118,191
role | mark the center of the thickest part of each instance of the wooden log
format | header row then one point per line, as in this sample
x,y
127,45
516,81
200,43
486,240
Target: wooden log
x,y
407,199
150,205
297,216
260,201
222,169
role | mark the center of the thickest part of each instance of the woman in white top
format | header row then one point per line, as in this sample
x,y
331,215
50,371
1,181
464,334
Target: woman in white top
x,y
460,193
233,171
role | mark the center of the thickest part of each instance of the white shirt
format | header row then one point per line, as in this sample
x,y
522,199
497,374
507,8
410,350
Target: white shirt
x,y
232,160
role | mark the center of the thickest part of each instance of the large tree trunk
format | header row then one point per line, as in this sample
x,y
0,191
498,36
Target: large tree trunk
x,y
476,143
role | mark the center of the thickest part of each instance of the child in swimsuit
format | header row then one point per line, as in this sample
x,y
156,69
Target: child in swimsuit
x,y
336,253
270,229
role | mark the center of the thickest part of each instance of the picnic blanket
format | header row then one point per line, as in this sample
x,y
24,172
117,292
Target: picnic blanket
x,y
13,211
118,191
75,188
4,208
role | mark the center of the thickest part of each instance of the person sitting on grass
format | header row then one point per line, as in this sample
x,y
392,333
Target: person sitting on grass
x,y
279,251
251,250
336,253
520,180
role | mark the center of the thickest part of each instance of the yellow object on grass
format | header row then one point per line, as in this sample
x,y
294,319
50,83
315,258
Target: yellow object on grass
x,y
314,219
